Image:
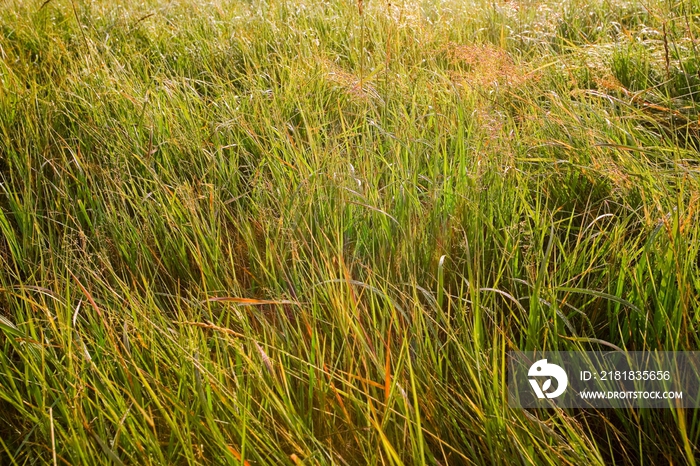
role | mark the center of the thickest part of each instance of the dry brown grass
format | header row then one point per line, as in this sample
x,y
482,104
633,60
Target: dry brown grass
x,y
486,66
481,69
351,84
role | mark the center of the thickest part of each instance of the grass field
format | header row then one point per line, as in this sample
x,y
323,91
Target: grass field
x,y
239,232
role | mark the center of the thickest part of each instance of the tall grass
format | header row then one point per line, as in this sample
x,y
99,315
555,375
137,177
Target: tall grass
x,y
306,233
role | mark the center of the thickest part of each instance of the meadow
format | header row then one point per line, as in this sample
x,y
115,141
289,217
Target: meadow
x,y
308,232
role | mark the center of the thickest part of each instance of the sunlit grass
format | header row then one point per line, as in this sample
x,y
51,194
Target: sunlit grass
x,y
290,233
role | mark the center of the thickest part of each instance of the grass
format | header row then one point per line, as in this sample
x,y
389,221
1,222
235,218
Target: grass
x,y
238,232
